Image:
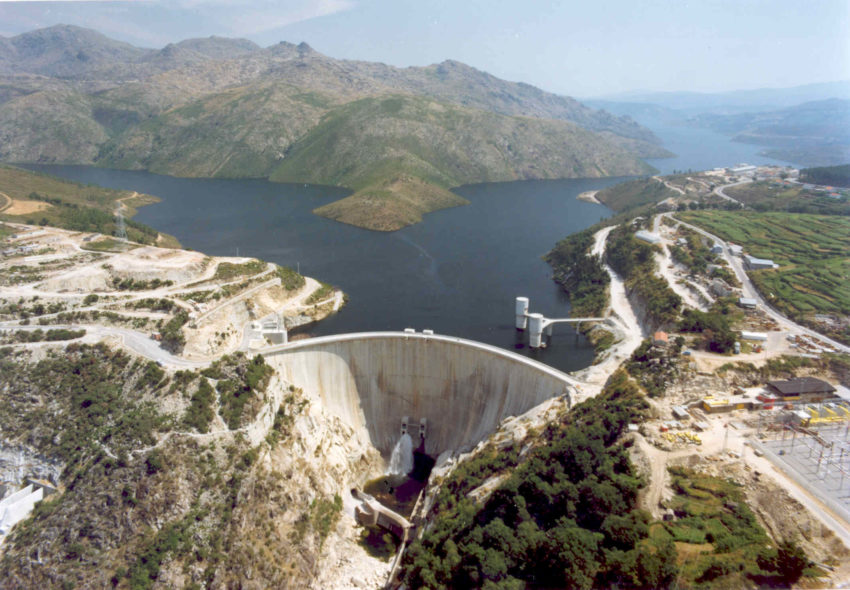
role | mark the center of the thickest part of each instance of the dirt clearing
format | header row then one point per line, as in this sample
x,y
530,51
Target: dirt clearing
x,y
19,207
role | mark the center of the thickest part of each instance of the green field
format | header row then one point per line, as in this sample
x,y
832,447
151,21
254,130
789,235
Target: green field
x,y
634,193
813,253
719,541
773,196
109,245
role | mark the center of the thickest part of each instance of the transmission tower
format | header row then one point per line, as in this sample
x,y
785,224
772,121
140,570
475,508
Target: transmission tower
x,y
121,228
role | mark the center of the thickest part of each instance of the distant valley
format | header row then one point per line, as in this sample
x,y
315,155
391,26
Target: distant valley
x,y
226,108
807,125
814,133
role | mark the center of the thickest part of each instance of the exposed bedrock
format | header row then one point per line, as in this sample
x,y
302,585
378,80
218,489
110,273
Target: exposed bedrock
x,y
373,380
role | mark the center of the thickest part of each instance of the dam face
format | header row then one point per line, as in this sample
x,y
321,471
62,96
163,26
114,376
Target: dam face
x,y
464,389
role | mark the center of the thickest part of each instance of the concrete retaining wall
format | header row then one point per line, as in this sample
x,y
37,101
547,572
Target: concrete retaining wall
x,y
463,388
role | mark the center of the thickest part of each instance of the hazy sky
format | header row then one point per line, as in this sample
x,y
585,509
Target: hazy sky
x,y
579,48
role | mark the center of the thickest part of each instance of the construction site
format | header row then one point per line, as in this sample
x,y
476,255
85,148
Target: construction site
x,y
786,443
811,443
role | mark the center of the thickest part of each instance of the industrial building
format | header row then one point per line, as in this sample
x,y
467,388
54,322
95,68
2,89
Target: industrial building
x,y
806,389
754,263
717,405
747,302
802,389
648,237
742,169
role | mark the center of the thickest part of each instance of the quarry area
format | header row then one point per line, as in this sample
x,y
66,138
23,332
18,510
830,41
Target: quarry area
x,y
193,308
326,418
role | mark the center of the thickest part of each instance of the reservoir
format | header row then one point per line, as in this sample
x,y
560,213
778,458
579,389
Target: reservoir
x,y
457,272
701,149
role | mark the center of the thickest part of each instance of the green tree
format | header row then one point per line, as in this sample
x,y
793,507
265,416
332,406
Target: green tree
x,y
788,561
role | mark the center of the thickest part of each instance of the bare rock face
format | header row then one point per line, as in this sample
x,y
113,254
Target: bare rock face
x,y
151,263
87,279
334,459
18,462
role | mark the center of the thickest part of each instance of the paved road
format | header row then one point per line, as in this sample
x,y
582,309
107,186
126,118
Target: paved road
x,y
719,191
749,290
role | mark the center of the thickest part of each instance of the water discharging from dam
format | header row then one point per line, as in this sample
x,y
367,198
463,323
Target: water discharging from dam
x,y
459,390
401,460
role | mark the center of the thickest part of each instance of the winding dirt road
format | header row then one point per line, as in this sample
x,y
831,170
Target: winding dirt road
x,y
622,316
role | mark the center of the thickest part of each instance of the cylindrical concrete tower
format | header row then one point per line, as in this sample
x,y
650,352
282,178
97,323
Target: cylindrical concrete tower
x,y
535,329
521,310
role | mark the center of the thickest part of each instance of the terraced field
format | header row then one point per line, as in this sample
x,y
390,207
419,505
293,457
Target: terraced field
x,y
771,196
813,253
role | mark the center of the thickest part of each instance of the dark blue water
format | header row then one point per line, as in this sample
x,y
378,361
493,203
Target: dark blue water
x,y
456,273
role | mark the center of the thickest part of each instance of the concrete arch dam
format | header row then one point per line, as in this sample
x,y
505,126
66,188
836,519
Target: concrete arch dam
x,y
464,389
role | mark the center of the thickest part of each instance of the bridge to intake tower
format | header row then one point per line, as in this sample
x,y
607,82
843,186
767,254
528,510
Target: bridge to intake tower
x,y
537,324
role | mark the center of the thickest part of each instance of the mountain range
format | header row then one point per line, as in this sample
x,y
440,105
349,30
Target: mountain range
x,y
814,133
217,107
731,102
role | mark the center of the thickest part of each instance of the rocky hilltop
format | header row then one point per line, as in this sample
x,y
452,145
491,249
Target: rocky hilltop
x,y
227,108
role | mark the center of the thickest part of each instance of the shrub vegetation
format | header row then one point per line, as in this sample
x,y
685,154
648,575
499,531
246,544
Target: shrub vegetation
x,y
565,516
634,260
732,550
